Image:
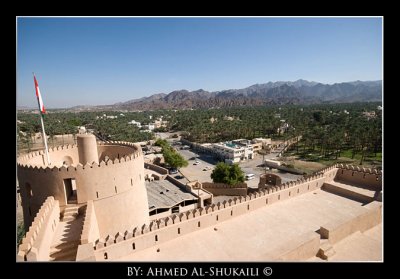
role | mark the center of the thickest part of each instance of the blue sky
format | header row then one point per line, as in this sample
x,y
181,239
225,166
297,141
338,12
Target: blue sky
x,y
94,61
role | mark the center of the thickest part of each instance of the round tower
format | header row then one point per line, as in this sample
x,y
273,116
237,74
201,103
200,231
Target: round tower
x,y
87,149
111,174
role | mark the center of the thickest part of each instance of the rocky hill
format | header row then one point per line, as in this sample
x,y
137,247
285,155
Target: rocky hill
x,y
274,93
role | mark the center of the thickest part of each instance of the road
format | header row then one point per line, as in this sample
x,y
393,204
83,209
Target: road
x,y
195,172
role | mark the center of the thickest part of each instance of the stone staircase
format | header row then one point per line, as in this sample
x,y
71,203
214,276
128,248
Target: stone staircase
x,y
326,250
67,238
65,251
70,212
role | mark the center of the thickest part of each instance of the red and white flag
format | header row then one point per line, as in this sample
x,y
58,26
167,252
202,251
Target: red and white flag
x,y
39,97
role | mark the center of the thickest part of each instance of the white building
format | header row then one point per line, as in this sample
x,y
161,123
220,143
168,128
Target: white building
x,y
82,130
133,122
233,153
149,126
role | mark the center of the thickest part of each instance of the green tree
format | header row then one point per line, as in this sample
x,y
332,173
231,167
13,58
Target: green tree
x,y
174,159
224,173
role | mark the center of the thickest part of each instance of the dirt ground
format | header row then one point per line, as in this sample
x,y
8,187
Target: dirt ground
x,y
303,165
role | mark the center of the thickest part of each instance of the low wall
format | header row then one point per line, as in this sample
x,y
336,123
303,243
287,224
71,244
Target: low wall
x,y
90,231
179,184
302,248
36,244
221,189
337,190
336,231
156,168
369,178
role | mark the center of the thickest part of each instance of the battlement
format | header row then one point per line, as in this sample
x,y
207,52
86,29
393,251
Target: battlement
x,y
23,161
359,169
164,229
36,243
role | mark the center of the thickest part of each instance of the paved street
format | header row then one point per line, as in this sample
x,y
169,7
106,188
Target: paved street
x,y
195,172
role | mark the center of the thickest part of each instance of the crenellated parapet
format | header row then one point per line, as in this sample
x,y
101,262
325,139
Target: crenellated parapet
x,y
223,210
359,169
25,161
35,245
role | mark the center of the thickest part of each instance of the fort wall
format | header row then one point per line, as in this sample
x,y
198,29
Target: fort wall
x,y
36,244
90,231
162,230
302,248
156,168
337,230
368,178
158,231
221,189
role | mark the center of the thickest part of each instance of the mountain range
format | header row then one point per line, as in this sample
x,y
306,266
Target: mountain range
x,y
271,93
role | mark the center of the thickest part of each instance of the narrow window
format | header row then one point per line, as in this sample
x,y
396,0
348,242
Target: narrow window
x,y
289,193
179,230
298,191
266,201
133,246
131,182
352,174
217,217
97,194
308,187
156,237
279,197
28,190
231,212
115,189
105,256
248,206
198,224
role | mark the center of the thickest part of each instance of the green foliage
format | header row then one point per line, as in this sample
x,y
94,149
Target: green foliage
x,y
161,143
171,157
327,130
228,174
20,233
174,159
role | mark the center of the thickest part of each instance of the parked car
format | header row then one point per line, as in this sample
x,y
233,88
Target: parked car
x,y
179,177
173,171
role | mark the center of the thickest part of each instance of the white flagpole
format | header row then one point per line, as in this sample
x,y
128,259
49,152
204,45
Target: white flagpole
x,y
43,132
45,140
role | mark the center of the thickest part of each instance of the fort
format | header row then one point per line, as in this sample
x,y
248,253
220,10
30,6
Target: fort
x,y
96,192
